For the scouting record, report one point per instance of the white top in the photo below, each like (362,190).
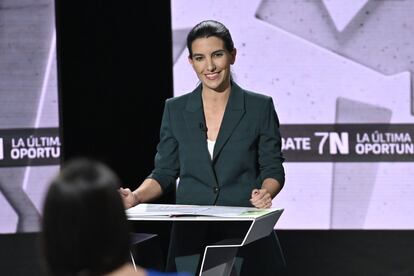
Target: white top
(210,146)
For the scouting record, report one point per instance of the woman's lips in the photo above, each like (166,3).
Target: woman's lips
(212,76)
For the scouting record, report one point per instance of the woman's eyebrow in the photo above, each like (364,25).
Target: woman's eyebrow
(215,52)
(197,55)
(218,51)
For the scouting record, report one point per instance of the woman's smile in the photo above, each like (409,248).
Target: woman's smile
(211,61)
(212,76)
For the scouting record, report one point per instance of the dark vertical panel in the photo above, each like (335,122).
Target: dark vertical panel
(115,66)
(115,72)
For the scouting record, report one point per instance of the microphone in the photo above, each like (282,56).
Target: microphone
(202,127)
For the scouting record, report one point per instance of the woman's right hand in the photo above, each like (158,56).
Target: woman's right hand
(128,197)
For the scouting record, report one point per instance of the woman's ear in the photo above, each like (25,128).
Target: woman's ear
(233,56)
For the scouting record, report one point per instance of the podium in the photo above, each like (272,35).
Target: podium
(218,258)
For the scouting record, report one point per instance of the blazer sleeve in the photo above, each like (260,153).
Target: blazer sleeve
(270,153)
(166,162)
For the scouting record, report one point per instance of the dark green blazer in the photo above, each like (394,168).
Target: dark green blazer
(247,149)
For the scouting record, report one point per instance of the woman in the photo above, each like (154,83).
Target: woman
(222,141)
(85,231)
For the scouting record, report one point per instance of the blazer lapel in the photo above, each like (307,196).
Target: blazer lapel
(195,121)
(194,118)
(232,116)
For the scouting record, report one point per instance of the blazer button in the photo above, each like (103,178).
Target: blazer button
(216,190)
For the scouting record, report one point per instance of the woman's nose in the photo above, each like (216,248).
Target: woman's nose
(210,65)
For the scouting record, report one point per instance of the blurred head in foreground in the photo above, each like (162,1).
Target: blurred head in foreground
(85,231)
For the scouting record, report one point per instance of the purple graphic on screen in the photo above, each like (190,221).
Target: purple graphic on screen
(323,62)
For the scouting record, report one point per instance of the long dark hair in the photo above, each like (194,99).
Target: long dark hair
(207,29)
(85,231)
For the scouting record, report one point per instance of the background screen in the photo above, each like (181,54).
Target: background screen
(29,134)
(340,74)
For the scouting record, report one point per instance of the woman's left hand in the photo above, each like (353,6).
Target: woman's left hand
(261,198)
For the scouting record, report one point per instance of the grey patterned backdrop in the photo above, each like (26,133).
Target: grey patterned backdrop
(28,101)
